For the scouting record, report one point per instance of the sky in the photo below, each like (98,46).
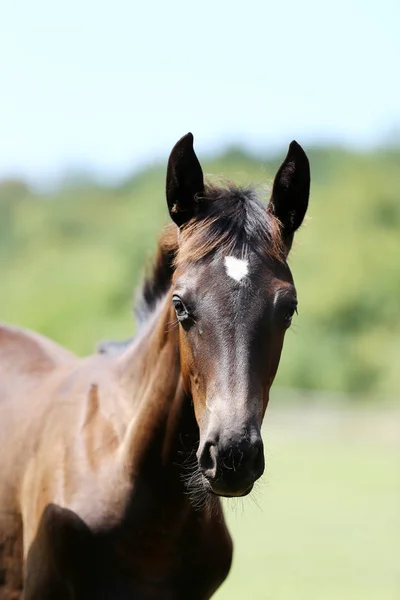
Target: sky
(111,86)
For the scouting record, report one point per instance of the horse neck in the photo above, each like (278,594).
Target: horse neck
(151,375)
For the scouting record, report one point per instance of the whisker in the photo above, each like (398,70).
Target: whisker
(254,496)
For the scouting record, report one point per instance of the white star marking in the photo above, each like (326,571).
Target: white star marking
(236,268)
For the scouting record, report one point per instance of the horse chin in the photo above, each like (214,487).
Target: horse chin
(230,493)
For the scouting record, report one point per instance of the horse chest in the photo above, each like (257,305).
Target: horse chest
(165,566)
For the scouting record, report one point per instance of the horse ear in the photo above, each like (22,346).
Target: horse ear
(184,181)
(290,191)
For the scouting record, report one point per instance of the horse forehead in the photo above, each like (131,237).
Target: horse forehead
(231,274)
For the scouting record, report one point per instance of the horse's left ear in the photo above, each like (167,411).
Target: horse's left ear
(290,191)
(184,181)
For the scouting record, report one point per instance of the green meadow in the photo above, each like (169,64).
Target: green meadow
(325,520)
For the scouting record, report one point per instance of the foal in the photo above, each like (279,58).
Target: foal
(112,466)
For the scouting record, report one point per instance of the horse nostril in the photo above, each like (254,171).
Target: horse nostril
(208,460)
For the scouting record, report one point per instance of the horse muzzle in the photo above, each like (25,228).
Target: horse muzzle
(231,468)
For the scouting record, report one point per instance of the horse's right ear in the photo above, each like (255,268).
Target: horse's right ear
(184,181)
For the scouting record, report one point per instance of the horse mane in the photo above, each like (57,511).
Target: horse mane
(158,280)
(229,219)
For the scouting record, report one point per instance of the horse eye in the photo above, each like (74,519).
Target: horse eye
(289,315)
(180,308)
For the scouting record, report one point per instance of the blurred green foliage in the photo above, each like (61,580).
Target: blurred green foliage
(70,260)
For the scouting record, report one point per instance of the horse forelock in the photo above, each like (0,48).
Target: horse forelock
(231,220)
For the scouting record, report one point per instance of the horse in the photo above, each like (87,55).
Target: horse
(113,465)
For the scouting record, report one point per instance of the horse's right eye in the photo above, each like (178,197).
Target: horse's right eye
(180,308)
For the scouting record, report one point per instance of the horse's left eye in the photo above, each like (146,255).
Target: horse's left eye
(289,315)
(180,308)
